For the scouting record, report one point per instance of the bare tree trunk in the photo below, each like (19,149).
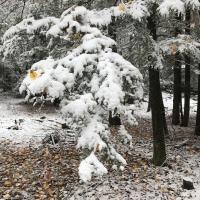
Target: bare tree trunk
(164,118)
(197,127)
(187,93)
(159,152)
(187,75)
(149,103)
(156,101)
(177,93)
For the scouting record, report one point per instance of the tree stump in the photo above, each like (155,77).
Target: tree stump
(187,184)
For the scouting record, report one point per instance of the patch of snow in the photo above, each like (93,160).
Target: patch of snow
(91,166)
(30,130)
(187,179)
(141,111)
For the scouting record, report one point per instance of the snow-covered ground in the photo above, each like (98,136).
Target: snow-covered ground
(32,123)
(168,103)
(35,122)
(140,180)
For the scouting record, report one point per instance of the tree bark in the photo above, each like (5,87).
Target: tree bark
(187,93)
(197,127)
(164,118)
(149,104)
(159,153)
(177,93)
(156,101)
(153,31)
(187,74)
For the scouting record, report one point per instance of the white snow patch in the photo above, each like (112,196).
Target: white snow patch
(31,130)
(91,166)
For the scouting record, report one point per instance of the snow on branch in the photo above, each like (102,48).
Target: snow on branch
(91,166)
(171,5)
(195,4)
(30,25)
(137,9)
(183,44)
(166,6)
(92,80)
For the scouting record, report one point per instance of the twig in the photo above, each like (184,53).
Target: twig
(52,138)
(182,143)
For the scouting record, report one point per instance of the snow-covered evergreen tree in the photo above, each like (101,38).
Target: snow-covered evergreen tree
(91,79)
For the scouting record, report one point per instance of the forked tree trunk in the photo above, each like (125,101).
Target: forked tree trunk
(159,153)
(187,75)
(197,127)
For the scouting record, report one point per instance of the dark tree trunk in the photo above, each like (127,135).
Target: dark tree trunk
(153,31)
(177,104)
(159,153)
(187,93)
(156,101)
(149,104)
(187,75)
(177,100)
(197,127)
(164,118)
(117,2)
(114,120)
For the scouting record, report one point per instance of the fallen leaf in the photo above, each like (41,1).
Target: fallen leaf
(7,184)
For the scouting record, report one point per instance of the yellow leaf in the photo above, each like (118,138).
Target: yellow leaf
(130,1)
(46,185)
(173,48)
(122,7)
(7,183)
(33,74)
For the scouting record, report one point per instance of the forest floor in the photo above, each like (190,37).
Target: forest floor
(33,168)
